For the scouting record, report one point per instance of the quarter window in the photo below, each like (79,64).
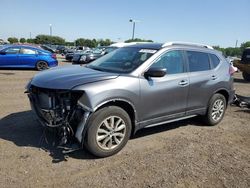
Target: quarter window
(215,60)
(198,61)
(172,61)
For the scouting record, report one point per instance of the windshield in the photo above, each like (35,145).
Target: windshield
(123,60)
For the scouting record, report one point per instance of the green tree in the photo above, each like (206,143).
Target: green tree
(105,42)
(85,42)
(69,43)
(22,40)
(12,40)
(245,45)
(47,39)
(30,41)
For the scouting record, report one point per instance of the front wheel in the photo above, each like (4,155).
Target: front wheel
(42,65)
(108,131)
(216,109)
(246,76)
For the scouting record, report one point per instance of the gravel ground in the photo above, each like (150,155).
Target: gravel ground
(182,154)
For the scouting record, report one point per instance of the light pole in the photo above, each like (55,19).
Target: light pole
(236,43)
(133,31)
(50,29)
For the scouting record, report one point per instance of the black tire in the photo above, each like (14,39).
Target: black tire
(96,121)
(210,118)
(42,65)
(246,76)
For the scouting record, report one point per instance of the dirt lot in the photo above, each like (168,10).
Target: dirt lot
(182,154)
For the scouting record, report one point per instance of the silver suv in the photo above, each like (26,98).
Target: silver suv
(141,85)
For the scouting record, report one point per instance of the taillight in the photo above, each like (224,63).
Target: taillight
(232,70)
(53,56)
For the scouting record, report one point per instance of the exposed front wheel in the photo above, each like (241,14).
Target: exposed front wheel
(216,109)
(42,65)
(108,131)
(246,76)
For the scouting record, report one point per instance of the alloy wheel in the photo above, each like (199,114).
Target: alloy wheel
(111,132)
(218,109)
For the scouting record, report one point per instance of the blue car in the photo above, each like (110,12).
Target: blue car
(21,56)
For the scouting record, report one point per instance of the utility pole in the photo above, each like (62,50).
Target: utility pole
(50,29)
(236,43)
(133,31)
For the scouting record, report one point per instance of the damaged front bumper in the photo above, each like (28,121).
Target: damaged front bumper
(61,110)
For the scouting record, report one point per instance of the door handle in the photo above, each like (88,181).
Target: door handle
(183,83)
(214,77)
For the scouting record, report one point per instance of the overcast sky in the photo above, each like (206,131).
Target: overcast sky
(214,22)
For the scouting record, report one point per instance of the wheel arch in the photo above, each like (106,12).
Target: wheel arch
(127,106)
(223,92)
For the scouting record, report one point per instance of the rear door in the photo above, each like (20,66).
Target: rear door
(201,79)
(28,57)
(165,98)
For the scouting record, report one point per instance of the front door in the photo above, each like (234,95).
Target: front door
(10,57)
(165,98)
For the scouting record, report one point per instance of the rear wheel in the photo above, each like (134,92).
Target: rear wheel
(108,131)
(216,109)
(42,65)
(246,76)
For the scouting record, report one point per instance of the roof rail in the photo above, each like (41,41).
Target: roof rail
(187,44)
(123,44)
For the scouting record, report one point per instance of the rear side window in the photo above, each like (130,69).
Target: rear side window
(198,61)
(215,60)
(27,51)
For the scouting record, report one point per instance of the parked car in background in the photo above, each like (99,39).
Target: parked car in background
(79,50)
(88,56)
(103,103)
(21,56)
(60,49)
(45,47)
(244,64)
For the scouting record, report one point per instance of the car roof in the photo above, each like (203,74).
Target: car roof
(28,46)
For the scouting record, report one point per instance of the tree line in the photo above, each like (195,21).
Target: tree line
(92,43)
(234,52)
(56,40)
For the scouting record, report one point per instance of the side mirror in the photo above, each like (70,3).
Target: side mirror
(155,72)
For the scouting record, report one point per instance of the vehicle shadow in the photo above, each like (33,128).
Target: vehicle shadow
(196,121)
(7,73)
(238,80)
(24,130)
(16,69)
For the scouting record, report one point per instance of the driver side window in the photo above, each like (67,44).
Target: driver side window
(12,50)
(172,61)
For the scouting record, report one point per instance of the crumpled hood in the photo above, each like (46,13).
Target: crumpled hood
(67,77)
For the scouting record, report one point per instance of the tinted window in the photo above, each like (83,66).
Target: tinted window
(172,61)
(198,61)
(27,51)
(215,60)
(12,51)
